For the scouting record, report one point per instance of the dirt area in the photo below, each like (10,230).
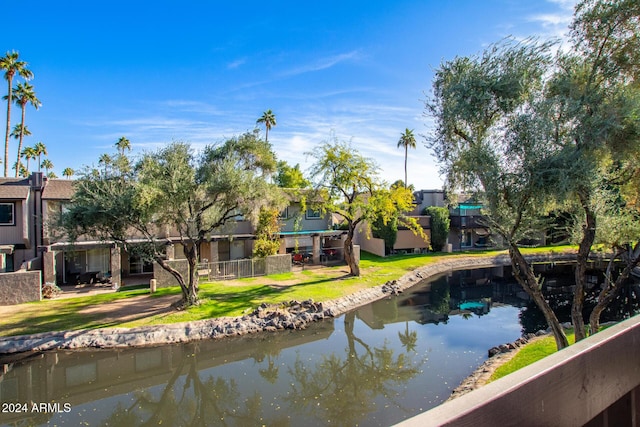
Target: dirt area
(129,309)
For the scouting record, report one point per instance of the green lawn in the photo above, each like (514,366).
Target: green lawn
(529,354)
(229,298)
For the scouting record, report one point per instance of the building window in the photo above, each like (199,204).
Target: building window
(466,240)
(7,214)
(284,214)
(312,214)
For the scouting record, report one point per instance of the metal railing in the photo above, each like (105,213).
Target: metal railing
(236,269)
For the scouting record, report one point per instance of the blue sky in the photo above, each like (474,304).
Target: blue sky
(202,71)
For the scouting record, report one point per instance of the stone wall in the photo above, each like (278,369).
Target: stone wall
(164,278)
(276,264)
(19,287)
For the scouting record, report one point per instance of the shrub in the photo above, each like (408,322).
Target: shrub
(50,290)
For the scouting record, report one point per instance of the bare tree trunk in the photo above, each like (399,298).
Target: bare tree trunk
(189,292)
(354,265)
(191,297)
(523,273)
(588,237)
(611,288)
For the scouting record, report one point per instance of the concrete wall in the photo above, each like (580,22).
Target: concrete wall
(407,240)
(276,264)
(165,279)
(19,287)
(372,245)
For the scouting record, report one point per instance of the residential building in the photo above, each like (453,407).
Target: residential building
(28,241)
(307,233)
(467,228)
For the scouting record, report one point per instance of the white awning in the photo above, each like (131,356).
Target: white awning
(6,249)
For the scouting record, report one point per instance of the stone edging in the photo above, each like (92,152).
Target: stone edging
(292,315)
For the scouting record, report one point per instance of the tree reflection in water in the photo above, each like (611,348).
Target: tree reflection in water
(189,400)
(343,390)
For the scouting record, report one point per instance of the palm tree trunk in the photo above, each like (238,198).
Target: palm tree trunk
(24,107)
(6,138)
(405,165)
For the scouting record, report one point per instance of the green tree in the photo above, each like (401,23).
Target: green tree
(618,229)
(267,233)
(290,177)
(40,150)
(47,164)
(488,139)
(440,223)
(386,231)
(18,133)
(105,161)
(23,172)
(29,153)
(123,144)
(12,66)
(407,140)
(268,119)
(23,95)
(596,102)
(348,185)
(68,173)
(193,195)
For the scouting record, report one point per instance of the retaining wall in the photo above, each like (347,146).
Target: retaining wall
(21,286)
(276,264)
(165,279)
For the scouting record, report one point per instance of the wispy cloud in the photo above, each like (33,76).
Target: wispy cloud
(237,63)
(555,24)
(323,63)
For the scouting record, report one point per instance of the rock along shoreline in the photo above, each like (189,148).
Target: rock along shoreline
(291,315)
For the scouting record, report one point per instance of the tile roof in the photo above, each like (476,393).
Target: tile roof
(14,188)
(58,189)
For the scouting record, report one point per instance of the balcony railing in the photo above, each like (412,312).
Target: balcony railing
(475,221)
(595,382)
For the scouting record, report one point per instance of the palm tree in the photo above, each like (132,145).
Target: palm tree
(40,149)
(123,144)
(105,160)
(52,174)
(22,171)
(68,173)
(15,133)
(29,153)
(269,120)
(24,94)
(47,164)
(407,140)
(11,66)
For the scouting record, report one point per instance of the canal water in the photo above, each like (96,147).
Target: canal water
(374,366)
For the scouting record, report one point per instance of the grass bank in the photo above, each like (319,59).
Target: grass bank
(529,354)
(227,298)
